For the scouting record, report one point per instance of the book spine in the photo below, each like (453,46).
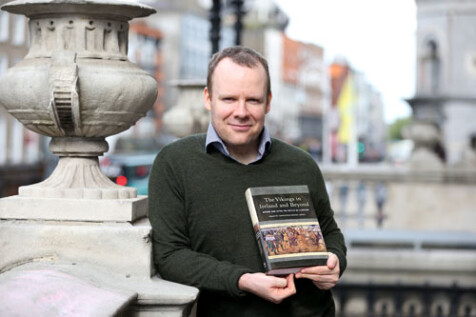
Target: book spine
(257,229)
(262,250)
(251,208)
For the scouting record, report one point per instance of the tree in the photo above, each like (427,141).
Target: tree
(395,130)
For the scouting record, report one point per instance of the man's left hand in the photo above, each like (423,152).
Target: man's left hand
(324,276)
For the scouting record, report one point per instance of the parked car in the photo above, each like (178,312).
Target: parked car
(129,170)
(131,161)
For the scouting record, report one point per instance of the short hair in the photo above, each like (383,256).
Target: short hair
(240,55)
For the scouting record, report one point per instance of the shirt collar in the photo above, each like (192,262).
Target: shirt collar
(214,140)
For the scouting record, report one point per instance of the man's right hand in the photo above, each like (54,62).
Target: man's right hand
(271,288)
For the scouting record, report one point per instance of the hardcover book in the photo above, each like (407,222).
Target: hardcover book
(287,231)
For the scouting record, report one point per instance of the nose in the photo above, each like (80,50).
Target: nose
(241,109)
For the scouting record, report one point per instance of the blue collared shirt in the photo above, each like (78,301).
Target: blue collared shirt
(214,140)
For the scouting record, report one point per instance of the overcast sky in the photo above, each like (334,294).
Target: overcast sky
(377,37)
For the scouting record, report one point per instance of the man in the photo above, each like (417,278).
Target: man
(202,232)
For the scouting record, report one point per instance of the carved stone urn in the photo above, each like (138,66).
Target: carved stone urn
(77,86)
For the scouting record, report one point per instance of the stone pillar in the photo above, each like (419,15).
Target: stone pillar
(425,137)
(189,116)
(425,133)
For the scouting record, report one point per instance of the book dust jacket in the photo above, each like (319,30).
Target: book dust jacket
(287,231)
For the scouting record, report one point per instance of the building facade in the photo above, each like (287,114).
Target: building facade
(354,122)
(185,44)
(145,51)
(446,73)
(305,75)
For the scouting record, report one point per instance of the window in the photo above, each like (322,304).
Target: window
(3,26)
(430,63)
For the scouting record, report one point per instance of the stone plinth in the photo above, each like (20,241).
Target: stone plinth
(113,254)
(95,210)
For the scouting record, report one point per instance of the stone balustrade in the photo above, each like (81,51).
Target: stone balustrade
(417,257)
(440,199)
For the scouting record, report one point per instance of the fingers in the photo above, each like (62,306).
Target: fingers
(320,270)
(322,279)
(331,267)
(278,294)
(290,283)
(332,261)
(280,282)
(290,279)
(271,288)
(325,276)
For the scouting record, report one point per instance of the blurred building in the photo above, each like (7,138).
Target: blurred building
(305,80)
(185,43)
(446,73)
(371,129)
(355,121)
(145,50)
(20,149)
(264,32)
(298,75)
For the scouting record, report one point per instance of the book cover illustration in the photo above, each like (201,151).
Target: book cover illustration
(287,230)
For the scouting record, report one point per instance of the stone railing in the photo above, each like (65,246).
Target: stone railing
(440,199)
(374,300)
(416,254)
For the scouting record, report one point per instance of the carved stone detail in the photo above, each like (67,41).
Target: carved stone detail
(79,89)
(63,82)
(79,178)
(88,37)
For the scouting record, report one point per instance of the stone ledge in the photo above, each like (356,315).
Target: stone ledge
(120,247)
(152,296)
(48,291)
(391,266)
(399,174)
(62,209)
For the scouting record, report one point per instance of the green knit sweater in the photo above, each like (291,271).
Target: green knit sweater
(202,232)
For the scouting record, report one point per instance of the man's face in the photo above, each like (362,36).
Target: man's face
(238,105)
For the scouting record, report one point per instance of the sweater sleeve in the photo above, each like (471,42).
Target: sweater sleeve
(333,237)
(173,256)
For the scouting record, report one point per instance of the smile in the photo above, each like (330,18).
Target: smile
(241,127)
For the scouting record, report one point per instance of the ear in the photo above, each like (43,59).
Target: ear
(268,103)
(207,102)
